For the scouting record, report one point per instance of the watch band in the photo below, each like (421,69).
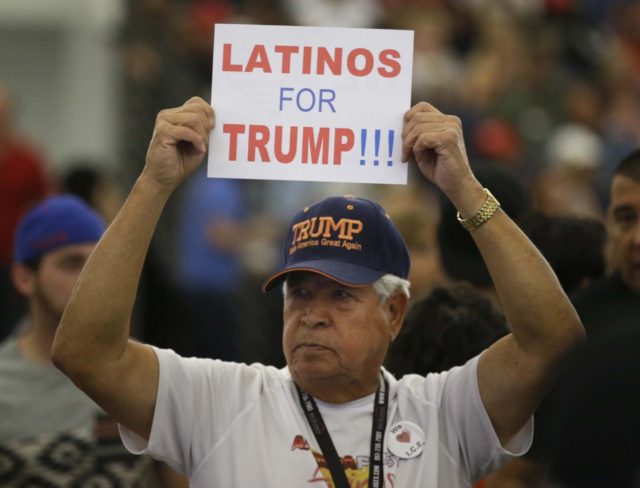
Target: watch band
(489,207)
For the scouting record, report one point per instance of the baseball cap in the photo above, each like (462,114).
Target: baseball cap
(347,239)
(58,221)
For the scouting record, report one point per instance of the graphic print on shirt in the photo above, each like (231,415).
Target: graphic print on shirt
(355,467)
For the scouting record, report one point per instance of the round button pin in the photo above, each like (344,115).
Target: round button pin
(405,439)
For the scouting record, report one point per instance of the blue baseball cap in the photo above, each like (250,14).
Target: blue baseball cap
(56,222)
(347,239)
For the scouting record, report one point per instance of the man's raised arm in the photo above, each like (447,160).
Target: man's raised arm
(516,372)
(92,343)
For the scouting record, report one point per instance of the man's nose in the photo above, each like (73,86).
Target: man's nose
(317,313)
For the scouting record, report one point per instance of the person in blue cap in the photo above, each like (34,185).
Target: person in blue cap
(333,416)
(51,433)
(52,243)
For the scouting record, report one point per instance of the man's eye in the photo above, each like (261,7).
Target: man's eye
(342,294)
(298,292)
(72,263)
(625,219)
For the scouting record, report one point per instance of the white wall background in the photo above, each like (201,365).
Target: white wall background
(60,59)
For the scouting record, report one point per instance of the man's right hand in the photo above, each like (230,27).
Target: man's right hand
(179,143)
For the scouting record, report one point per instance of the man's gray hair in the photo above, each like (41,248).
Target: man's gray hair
(385,287)
(389,285)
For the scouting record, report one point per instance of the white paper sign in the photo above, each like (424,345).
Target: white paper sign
(309,103)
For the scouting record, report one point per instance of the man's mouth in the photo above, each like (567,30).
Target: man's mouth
(311,346)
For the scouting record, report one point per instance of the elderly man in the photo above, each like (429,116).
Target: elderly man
(333,415)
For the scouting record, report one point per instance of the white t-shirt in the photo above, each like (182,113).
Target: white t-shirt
(233,425)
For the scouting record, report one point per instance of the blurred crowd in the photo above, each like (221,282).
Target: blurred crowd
(547,88)
(548,92)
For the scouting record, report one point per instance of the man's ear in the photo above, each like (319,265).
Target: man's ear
(396,307)
(23,279)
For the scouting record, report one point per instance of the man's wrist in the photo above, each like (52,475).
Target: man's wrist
(151,187)
(468,199)
(484,213)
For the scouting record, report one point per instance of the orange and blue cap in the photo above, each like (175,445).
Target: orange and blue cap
(347,239)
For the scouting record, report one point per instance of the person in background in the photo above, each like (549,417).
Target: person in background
(24,181)
(461,259)
(446,328)
(567,183)
(456,321)
(209,272)
(574,247)
(610,309)
(52,434)
(601,381)
(97,187)
(613,302)
(597,438)
(414,209)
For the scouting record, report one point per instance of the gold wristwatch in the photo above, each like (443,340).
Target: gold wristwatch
(489,207)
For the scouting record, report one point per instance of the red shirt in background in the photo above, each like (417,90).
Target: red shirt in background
(23,182)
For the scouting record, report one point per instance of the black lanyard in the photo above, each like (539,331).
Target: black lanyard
(314,417)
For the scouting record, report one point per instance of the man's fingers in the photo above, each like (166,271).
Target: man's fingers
(423,117)
(409,139)
(417,129)
(420,107)
(194,121)
(196,100)
(436,130)
(196,106)
(431,118)
(430,122)
(171,134)
(428,143)
(205,107)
